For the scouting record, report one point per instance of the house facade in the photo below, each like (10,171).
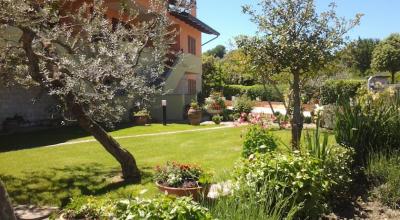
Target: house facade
(183,80)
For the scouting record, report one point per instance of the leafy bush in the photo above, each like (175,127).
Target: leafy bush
(155,209)
(310,181)
(258,140)
(290,174)
(384,171)
(334,91)
(243,104)
(217,119)
(244,204)
(181,175)
(160,209)
(268,94)
(308,120)
(88,208)
(370,123)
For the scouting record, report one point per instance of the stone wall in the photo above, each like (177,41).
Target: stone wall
(33,105)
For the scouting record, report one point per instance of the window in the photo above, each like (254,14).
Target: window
(191,45)
(192,87)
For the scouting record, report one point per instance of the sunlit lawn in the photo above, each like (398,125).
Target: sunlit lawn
(51,175)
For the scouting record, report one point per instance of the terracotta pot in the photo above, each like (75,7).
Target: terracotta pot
(194,116)
(196,193)
(214,111)
(140,120)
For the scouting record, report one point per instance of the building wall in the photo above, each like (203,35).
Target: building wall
(34,106)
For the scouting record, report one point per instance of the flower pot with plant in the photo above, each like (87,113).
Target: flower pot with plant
(141,117)
(215,104)
(183,180)
(194,114)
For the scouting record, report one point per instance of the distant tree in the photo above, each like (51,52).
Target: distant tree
(386,56)
(93,65)
(236,68)
(212,75)
(298,40)
(218,51)
(358,55)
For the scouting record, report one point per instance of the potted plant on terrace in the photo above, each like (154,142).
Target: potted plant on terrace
(194,114)
(214,104)
(183,180)
(141,117)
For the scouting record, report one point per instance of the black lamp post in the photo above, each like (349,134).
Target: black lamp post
(164,109)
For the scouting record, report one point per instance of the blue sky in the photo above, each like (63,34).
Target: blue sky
(381,17)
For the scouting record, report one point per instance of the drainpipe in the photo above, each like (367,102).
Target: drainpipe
(210,40)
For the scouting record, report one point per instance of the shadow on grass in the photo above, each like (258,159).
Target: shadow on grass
(58,185)
(39,138)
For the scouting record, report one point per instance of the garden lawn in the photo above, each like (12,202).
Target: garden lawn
(51,175)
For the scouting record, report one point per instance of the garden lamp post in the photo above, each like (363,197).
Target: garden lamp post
(164,108)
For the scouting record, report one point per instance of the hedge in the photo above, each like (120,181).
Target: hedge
(268,94)
(335,90)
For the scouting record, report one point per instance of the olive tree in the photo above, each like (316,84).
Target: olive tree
(94,65)
(386,55)
(299,41)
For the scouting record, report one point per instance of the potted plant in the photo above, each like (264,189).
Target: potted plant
(141,117)
(215,104)
(194,114)
(183,180)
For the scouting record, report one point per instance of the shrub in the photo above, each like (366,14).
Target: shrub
(181,175)
(243,204)
(258,140)
(308,120)
(310,181)
(334,91)
(217,119)
(243,104)
(268,94)
(383,171)
(160,209)
(156,209)
(370,123)
(291,175)
(90,208)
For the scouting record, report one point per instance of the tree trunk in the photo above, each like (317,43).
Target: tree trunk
(297,121)
(130,171)
(393,77)
(6,209)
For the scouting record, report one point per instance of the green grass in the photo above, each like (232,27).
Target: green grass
(51,175)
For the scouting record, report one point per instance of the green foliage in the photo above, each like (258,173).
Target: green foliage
(243,104)
(370,123)
(194,104)
(386,56)
(334,91)
(358,55)
(88,208)
(244,204)
(179,175)
(157,209)
(302,178)
(254,92)
(384,171)
(217,119)
(308,120)
(258,140)
(218,51)
(142,113)
(212,77)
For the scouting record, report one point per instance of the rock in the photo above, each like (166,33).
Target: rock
(30,212)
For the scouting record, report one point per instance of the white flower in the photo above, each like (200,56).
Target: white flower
(319,108)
